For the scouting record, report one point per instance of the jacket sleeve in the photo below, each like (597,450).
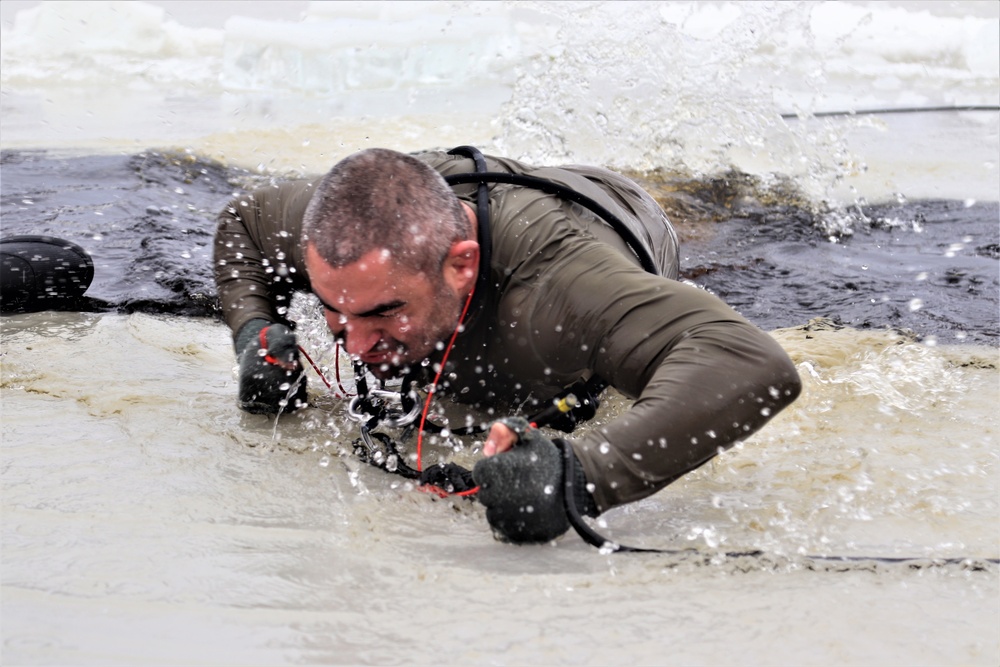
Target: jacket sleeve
(257,259)
(701,375)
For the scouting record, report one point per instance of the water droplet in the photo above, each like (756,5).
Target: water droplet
(915,305)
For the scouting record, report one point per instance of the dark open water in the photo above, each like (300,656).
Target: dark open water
(930,267)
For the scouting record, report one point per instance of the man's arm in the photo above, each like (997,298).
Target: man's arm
(719,385)
(257,268)
(702,376)
(257,258)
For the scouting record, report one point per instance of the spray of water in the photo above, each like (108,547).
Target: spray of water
(650,85)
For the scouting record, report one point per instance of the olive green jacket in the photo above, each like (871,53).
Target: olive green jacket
(568,301)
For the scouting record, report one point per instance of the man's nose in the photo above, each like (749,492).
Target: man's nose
(360,336)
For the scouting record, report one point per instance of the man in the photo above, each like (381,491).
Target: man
(564,276)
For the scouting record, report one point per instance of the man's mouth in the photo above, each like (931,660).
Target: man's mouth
(383,355)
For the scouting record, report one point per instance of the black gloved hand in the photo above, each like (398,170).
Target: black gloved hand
(271,377)
(523,488)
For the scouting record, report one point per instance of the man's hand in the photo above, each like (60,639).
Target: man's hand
(271,377)
(522,487)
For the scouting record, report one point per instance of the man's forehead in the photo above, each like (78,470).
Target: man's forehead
(377,258)
(373,277)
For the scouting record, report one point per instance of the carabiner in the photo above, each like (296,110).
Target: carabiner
(376,405)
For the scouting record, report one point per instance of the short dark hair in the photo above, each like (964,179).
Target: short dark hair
(382,199)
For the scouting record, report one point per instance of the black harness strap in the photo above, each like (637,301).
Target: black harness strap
(645,258)
(483,227)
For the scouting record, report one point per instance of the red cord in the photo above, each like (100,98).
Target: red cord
(437,377)
(441,493)
(337,367)
(315,367)
(427,404)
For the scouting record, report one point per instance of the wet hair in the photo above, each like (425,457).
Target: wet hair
(380,199)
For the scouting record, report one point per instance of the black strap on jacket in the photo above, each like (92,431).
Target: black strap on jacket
(483,287)
(553,188)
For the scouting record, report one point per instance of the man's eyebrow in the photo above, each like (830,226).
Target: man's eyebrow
(377,310)
(382,308)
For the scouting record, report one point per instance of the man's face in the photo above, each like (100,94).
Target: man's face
(386,316)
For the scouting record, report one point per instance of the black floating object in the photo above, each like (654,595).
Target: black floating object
(42,273)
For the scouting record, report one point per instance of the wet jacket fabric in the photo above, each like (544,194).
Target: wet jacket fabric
(568,300)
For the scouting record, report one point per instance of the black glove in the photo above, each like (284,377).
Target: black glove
(523,488)
(271,377)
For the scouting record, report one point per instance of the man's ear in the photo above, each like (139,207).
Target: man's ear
(461,266)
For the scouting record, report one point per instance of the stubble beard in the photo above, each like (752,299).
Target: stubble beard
(446,310)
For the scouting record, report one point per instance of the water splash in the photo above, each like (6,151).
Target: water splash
(907,376)
(647,85)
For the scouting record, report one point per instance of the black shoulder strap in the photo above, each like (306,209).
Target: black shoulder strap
(553,188)
(482,220)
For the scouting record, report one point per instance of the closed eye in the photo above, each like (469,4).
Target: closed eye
(382,310)
(387,310)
